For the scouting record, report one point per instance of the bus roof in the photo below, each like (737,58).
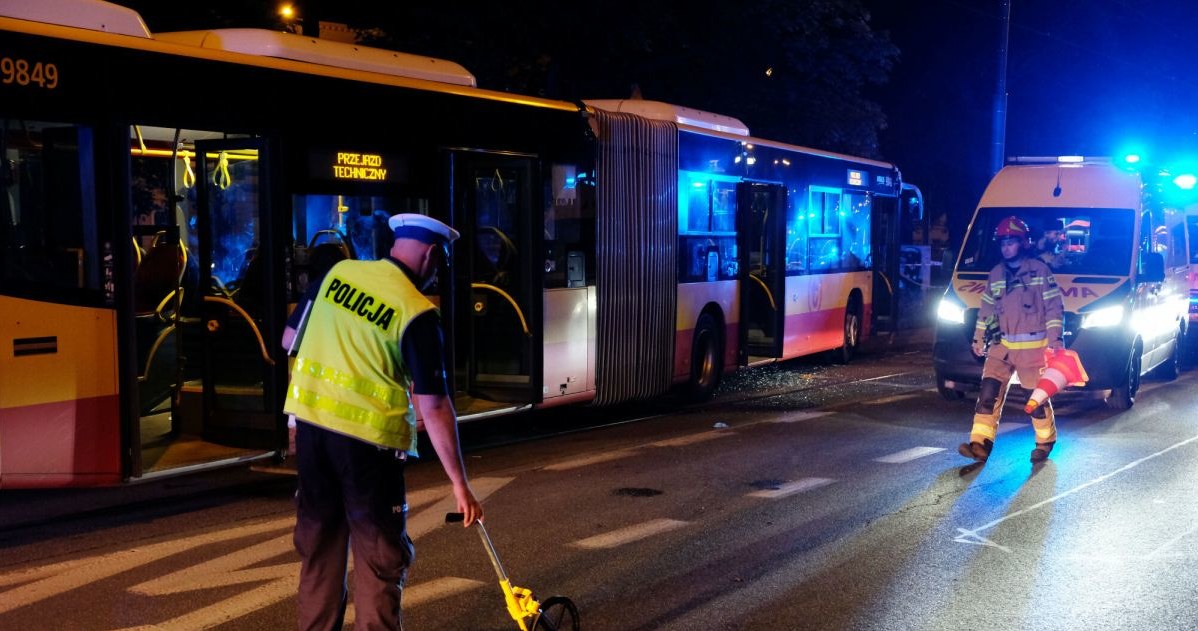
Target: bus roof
(657,110)
(266,43)
(86,14)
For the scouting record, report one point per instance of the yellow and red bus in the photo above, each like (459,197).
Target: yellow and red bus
(165,198)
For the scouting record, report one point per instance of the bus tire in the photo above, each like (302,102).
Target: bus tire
(1123,396)
(851,333)
(707,359)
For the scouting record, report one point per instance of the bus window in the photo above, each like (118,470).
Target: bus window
(707,227)
(329,228)
(855,240)
(1192,225)
(824,225)
(569,228)
(48,227)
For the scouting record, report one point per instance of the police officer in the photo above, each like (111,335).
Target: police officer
(368,336)
(1022,297)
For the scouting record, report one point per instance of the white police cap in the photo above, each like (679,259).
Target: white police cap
(422,228)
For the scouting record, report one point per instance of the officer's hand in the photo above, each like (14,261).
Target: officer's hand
(468,506)
(1056,345)
(978,348)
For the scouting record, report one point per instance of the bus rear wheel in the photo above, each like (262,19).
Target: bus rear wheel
(851,335)
(707,359)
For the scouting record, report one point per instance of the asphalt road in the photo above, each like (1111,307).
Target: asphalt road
(804,497)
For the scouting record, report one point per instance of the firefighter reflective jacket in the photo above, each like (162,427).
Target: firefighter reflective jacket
(1026,303)
(349,374)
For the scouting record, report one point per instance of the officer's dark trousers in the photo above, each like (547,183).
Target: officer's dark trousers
(351,494)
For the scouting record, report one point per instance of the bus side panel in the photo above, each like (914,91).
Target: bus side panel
(59,410)
(569,355)
(815,306)
(692,297)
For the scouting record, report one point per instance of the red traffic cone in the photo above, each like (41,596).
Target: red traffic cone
(1064,369)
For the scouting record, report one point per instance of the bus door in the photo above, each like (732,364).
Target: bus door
(497,285)
(761,230)
(230,395)
(885,250)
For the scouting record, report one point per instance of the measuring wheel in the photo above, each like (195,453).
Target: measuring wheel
(558,613)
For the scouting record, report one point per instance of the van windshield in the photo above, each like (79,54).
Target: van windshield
(1071,240)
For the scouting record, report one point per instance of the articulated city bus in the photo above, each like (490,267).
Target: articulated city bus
(167,198)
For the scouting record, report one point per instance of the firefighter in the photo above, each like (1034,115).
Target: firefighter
(1023,301)
(369,344)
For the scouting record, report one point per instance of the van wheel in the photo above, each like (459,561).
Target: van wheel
(947,393)
(1124,396)
(707,359)
(851,335)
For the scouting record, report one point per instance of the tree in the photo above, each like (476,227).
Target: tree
(792,70)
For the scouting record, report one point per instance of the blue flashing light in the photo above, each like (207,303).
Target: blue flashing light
(1132,158)
(1185,181)
(1071,159)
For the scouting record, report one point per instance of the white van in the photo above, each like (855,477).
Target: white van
(1122,265)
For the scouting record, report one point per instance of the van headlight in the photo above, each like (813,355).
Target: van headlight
(950,311)
(1109,316)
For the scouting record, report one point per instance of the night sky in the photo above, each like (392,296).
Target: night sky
(1089,77)
(1094,77)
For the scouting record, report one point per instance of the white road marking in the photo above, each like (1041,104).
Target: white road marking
(1170,543)
(433,517)
(275,582)
(892,398)
(683,441)
(605,456)
(58,578)
(791,488)
(805,415)
(629,534)
(907,455)
(971,535)
(436,589)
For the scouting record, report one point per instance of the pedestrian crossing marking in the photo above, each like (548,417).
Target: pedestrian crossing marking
(791,488)
(606,456)
(907,455)
(629,534)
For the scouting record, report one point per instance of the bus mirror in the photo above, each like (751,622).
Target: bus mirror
(1153,268)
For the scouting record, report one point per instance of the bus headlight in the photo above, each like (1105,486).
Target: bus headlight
(1110,316)
(950,311)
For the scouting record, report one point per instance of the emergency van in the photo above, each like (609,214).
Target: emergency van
(1121,259)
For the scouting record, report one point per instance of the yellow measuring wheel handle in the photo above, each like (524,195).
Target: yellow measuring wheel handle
(521,606)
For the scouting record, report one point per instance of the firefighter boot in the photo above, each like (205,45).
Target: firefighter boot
(977,451)
(1040,453)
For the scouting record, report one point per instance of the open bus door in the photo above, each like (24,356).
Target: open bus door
(884,253)
(497,287)
(232,379)
(761,239)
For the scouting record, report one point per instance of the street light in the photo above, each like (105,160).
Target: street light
(291,21)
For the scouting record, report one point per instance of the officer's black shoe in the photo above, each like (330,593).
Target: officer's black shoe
(1040,453)
(977,451)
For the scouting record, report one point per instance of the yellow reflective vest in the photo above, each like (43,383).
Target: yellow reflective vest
(349,374)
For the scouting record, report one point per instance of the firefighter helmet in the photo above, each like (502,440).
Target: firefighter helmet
(1012,228)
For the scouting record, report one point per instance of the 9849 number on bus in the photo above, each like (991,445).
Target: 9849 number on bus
(23,73)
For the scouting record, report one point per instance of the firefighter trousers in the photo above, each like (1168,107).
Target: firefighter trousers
(351,496)
(1001,364)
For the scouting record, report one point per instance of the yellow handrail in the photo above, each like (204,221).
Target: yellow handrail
(768,294)
(253,327)
(506,296)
